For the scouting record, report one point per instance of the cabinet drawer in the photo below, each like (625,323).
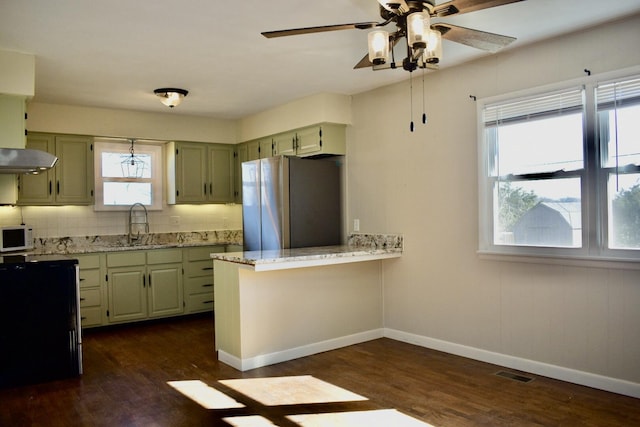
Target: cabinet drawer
(88,261)
(90,316)
(89,278)
(198,285)
(197,254)
(89,297)
(200,302)
(164,256)
(123,259)
(200,268)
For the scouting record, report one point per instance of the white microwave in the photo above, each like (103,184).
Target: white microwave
(16,238)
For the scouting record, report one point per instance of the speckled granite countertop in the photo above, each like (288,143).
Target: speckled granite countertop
(114,243)
(361,247)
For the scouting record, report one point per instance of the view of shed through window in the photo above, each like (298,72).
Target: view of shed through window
(563,171)
(536,166)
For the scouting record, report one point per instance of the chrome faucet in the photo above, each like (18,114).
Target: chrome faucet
(132,222)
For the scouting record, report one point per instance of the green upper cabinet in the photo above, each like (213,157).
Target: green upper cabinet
(70,181)
(259,149)
(325,138)
(200,173)
(284,144)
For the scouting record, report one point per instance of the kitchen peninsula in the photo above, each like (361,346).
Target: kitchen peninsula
(273,306)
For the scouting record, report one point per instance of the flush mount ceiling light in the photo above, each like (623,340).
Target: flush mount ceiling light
(171,96)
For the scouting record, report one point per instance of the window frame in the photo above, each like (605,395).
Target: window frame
(154,148)
(593,175)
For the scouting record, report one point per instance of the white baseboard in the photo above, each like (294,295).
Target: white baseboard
(297,352)
(539,368)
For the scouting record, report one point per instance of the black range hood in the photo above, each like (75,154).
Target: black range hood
(25,160)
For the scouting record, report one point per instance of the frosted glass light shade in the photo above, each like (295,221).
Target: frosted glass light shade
(433,52)
(171,97)
(418,24)
(378,47)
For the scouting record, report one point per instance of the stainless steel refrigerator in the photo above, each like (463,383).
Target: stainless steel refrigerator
(290,202)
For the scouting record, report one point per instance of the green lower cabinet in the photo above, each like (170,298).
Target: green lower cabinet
(93,298)
(199,278)
(136,285)
(144,284)
(127,294)
(165,290)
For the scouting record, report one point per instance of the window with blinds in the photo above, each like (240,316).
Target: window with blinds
(551,184)
(618,107)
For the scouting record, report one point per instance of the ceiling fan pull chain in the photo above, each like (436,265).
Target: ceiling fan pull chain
(411,99)
(424,109)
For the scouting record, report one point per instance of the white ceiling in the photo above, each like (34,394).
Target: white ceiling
(114,53)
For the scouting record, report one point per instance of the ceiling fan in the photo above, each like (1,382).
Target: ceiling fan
(412,21)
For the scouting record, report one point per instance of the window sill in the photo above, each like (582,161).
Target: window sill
(564,260)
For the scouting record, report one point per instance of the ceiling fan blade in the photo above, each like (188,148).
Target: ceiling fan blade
(475,38)
(396,6)
(364,62)
(465,6)
(321,29)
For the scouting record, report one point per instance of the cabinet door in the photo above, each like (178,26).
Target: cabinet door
(165,290)
(221,174)
(309,140)
(242,153)
(37,189)
(266,148)
(191,172)
(252,150)
(74,170)
(127,294)
(284,144)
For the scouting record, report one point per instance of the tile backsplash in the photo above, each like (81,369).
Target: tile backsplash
(62,221)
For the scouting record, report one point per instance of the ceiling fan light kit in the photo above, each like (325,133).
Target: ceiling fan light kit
(418,24)
(413,23)
(378,46)
(171,97)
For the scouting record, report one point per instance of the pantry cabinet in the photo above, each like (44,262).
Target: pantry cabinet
(70,182)
(200,173)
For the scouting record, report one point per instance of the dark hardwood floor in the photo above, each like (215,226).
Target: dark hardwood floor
(127,370)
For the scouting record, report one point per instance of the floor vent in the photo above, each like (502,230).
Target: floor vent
(515,377)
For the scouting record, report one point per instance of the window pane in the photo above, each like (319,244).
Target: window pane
(624,211)
(538,213)
(127,193)
(620,135)
(118,165)
(545,144)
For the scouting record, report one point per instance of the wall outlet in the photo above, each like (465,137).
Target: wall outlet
(356,225)
(174,220)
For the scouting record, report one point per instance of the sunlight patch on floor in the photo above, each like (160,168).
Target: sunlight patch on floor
(287,391)
(297,390)
(249,421)
(208,397)
(377,418)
